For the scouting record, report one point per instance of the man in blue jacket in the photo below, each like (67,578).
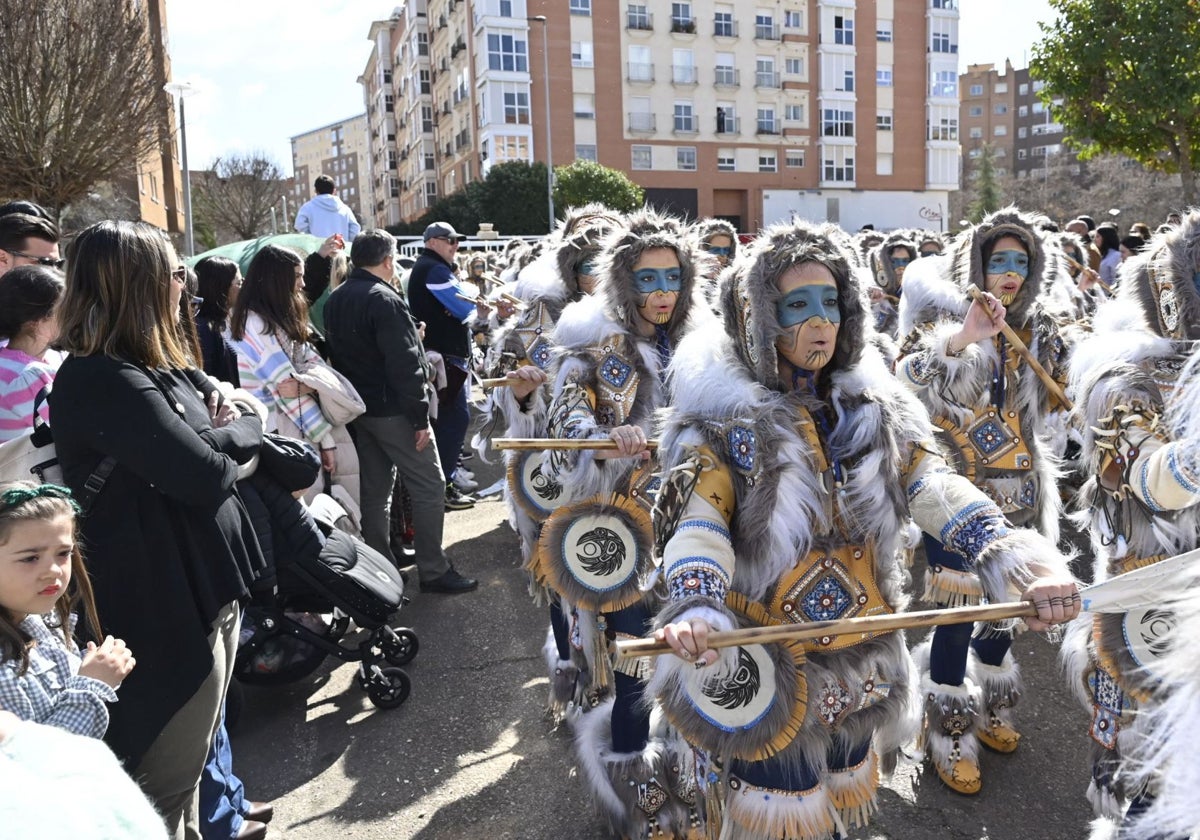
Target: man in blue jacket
(434,295)
(374,343)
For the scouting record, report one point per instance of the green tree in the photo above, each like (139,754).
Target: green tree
(586,181)
(988,195)
(513,198)
(1128,80)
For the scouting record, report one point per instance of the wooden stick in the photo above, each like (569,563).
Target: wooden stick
(475,300)
(633,648)
(1082,267)
(513,299)
(562,444)
(1019,346)
(499,382)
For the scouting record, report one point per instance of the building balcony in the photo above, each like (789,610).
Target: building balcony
(641,122)
(683,26)
(725,29)
(637,72)
(728,126)
(766,32)
(764,127)
(685,125)
(639,22)
(766,79)
(728,77)
(683,74)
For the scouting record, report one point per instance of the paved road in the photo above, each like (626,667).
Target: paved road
(470,756)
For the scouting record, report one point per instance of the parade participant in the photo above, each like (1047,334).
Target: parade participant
(991,409)
(890,260)
(793,461)
(1141,424)
(523,351)
(612,353)
(719,238)
(930,243)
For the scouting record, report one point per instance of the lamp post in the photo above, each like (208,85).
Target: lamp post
(549,148)
(182,90)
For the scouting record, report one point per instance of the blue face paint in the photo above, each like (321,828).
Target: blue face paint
(1196,281)
(588,268)
(719,250)
(647,281)
(899,262)
(1003,262)
(806,302)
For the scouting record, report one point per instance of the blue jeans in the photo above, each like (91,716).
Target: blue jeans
(450,428)
(223,805)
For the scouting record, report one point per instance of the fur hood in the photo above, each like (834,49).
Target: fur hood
(924,237)
(967,256)
(624,246)
(885,274)
(749,294)
(706,229)
(578,239)
(1159,280)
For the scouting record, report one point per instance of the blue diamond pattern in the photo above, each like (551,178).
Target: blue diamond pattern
(652,488)
(826,601)
(742,448)
(1028,493)
(614,371)
(989,437)
(539,354)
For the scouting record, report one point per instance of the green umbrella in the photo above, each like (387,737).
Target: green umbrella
(242,252)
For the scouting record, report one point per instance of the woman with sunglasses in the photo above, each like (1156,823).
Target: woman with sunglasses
(147,445)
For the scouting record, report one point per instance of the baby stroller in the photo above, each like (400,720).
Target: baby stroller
(318,579)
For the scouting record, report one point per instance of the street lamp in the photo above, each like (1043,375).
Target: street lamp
(182,90)
(549,149)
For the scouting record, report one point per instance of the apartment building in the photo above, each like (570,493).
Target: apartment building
(825,109)
(339,150)
(1038,138)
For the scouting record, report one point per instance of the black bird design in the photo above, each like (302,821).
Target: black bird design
(742,686)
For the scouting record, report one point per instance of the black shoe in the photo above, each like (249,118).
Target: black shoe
(457,500)
(451,583)
(466,455)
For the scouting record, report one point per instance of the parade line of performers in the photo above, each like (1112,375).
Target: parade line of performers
(803,428)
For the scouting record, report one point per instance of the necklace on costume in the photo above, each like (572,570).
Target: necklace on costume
(820,416)
(1000,374)
(662,343)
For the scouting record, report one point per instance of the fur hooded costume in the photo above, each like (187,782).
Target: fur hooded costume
(886,309)
(755,507)
(1136,383)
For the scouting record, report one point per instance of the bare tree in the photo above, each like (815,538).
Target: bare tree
(234,197)
(79,101)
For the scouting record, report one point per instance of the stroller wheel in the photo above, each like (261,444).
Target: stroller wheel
(399,645)
(390,691)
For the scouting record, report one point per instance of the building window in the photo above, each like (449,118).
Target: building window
(683,67)
(511,147)
(726,162)
(507,52)
(681,18)
(975,111)
(637,17)
(1039,107)
(944,128)
(976,133)
(685,117)
(516,107)
(422,43)
(767,161)
(837,123)
(793,19)
(793,113)
(685,158)
(586,153)
(1000,130)
(940,43)
(839,164)
(977,90)
(1020,154)
(883,31)
(723,25)
(764,73)
(1022,132)
(640,157)
(427,119)
(793,158)
(726,119)
(945,4)
(581,7)
(1023,111)
(1001,109)
(423,77)
(506,8)
(764,28)
(883,120)
(766,121)
(581,54)
(793,66)
(883,163)
(1023,90)
(843,30)
(883,76)
(1001,87)
(944,83)
(585,106)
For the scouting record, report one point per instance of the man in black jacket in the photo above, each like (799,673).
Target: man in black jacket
(374,343)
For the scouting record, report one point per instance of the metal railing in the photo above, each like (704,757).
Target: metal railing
(641,121)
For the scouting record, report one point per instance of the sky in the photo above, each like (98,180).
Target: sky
(267,70)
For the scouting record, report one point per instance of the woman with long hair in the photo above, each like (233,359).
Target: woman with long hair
(150,449)
(219,280)
(1108,242)
(28,296)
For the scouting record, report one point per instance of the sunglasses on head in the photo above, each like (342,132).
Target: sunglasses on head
(179,275)
(49,262)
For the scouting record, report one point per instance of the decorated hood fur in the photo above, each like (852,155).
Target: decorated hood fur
(885,274)
(579,236)
(924,237)
(969,247)
(1160,280)
(706,229)
(750,291)
(623,247)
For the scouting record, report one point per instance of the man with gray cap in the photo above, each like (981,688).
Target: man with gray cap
(434,295)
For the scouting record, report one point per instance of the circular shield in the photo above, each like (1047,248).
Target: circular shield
(534,491)
(1148,633)
(740,699)
(595,552)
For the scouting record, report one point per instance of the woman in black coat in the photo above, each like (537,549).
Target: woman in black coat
(218,281)
(170,545)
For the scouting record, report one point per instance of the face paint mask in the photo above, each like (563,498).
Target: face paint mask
(719,250)
(930,253)
(1004,262)
(900,262)
(588,267)
(806,302)
(647,281)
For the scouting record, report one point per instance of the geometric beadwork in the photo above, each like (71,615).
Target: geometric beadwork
(615,371)
(825,601)
(742,448)
(834,702)
(539,353)
(989,437)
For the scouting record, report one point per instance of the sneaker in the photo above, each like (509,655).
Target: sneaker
(451,583)
(465,483)
(463,471)
(457,500)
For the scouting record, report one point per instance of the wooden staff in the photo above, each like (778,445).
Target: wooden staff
(513,299)
(562,444)
(1019,346)
(1084,268)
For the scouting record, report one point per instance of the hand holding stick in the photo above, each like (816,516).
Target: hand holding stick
(561,444)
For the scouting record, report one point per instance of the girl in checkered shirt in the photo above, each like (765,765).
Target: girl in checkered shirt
(44,676)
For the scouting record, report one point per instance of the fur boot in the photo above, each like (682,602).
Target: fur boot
(948,738)
(1000,686)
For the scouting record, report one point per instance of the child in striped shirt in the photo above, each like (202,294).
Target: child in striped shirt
(28,295)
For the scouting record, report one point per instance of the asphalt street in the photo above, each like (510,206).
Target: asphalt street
(470,755)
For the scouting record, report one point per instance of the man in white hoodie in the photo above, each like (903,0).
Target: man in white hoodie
(325,214)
